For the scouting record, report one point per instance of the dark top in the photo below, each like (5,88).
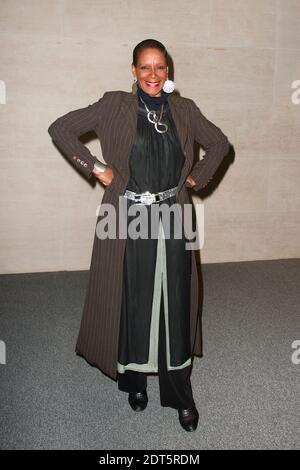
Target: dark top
(156,159)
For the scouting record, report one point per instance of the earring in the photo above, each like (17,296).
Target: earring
(169,86)
(134,86)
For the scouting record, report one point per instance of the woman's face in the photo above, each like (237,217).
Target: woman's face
(151,71)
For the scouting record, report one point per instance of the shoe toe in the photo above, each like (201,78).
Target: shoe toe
(138,401)
(189,418)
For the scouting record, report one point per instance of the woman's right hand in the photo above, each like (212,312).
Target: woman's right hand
(104,177)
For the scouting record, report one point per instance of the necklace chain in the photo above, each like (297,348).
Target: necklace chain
(155,119)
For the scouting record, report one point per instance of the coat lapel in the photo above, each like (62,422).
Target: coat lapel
(180,116)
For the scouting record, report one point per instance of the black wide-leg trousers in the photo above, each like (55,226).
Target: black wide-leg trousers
(175,385)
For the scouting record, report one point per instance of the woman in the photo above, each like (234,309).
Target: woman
(141,310)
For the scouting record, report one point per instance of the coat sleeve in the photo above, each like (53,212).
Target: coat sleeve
(66,129)
(215,144)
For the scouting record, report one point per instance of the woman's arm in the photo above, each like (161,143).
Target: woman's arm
(215,144)
(66,129)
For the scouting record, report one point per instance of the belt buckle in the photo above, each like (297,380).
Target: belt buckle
(147,198)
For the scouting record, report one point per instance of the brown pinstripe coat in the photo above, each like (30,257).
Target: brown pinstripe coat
(114,119)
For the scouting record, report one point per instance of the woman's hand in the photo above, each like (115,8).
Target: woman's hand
(104,177)
(191,181)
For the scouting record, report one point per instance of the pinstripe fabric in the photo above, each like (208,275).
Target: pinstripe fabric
(114,119)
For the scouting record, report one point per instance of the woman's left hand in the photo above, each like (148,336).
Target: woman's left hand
(190,180)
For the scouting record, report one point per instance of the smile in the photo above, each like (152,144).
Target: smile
(152,84)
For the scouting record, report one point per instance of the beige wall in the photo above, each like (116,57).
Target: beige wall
(236,59)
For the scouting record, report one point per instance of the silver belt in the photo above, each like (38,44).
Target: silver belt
(148,198)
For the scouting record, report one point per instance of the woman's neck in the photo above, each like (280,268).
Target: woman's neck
(154,101)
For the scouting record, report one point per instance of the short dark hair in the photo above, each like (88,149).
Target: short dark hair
(148,43)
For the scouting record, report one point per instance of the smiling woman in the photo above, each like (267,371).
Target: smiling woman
(141,309)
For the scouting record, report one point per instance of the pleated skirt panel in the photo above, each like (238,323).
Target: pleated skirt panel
(154,267)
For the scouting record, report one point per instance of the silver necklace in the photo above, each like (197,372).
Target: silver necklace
(154,119)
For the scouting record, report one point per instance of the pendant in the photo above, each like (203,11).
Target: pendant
(149,116)
(161,124)
(154,119)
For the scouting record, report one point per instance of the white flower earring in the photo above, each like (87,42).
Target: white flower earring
(169,86)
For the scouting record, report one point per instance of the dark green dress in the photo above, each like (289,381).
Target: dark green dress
(155,266)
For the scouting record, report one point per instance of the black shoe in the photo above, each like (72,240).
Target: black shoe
(138,401)
(189,418)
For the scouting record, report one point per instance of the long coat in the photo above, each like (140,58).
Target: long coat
(114,119)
